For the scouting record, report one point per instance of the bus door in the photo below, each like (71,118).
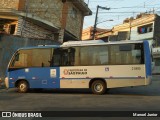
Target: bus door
(48,73)
(46,77)
(42,77)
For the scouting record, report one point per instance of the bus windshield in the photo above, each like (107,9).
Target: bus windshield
(31,58)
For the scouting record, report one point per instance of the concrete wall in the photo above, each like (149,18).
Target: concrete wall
(136,36)
(74,23)
(9,44)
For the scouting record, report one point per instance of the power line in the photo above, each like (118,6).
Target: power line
(128,11)
(120,12)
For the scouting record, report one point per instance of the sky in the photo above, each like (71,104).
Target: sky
(119,10)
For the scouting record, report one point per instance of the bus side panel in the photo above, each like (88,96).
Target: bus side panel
(147,59)
(125,82)
(36,77)
(115,75)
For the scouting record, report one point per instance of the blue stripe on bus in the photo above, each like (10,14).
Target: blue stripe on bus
(147,59)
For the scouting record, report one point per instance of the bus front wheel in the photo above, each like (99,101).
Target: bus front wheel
(23,87)
(98,87)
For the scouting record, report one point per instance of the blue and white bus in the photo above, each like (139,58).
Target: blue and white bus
(82,64)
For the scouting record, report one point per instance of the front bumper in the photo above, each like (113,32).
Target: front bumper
(6,82)
(149,80)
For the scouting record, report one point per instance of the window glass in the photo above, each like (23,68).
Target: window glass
(77,56)
(126,54)
(21,59)
(65,56)
(85,56)
(94,55)
(56,58)
(145,29)
(32,58)
(73,13)
(41,57)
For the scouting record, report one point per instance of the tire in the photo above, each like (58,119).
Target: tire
(98,87)
(23,87)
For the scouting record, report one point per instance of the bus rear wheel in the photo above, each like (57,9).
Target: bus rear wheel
(98,87)
(23,87)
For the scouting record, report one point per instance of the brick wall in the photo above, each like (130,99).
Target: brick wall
(31,30)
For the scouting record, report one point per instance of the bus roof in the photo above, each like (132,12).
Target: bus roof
(98,42)
(83,43)
(40,46)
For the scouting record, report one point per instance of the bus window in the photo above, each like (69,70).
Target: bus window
(94,55)
(41,57)
(71,52)
(84,56)
(56,58)
(126,54)
(19,60)
(68,57)
(77,56)
(99,55)
(127,47)
(65,57)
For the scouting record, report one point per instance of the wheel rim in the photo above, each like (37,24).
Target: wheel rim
(22,87)
(98,87)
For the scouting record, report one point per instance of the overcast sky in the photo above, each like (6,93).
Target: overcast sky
(119,10)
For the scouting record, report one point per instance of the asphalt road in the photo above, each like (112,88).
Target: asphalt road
(143,98)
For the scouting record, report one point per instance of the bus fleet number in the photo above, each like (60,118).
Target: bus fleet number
(136,68)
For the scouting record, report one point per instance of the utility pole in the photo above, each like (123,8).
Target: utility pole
(95,23)
(88,3)
(130,27)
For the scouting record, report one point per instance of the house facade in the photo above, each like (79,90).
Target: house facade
(60,20)
(87,34)
(140,28)
(143,27)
